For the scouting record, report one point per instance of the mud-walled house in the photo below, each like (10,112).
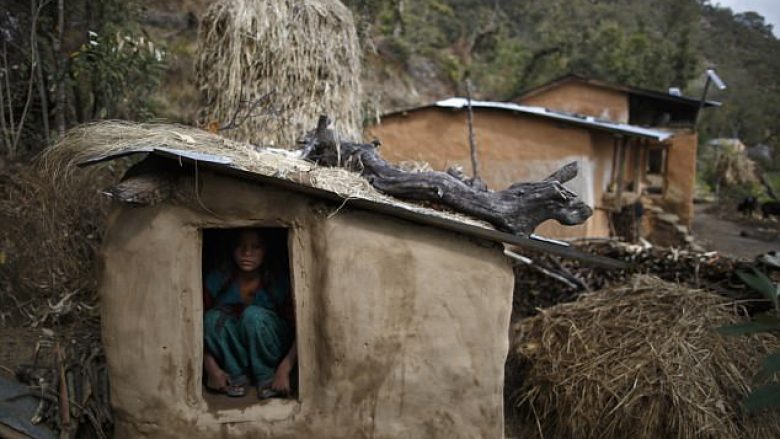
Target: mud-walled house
(631,144)
(401,312)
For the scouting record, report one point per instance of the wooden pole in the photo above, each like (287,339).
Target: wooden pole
(702,102)
(638,148)
(622,144)
(472,140)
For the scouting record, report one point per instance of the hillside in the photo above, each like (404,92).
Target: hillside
(414,52)
(418,50)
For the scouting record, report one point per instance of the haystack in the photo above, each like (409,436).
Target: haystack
(641,360)
(733,167)
(268,68)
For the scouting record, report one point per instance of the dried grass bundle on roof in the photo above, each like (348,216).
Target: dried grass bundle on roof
(273,66)
(103,139)
(641,360)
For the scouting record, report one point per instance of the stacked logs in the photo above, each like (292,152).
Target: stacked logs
(706,270)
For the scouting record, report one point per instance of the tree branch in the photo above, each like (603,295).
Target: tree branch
(518,209)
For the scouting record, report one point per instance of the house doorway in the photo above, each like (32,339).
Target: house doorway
(250,350)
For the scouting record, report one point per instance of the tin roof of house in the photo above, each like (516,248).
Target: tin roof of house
(628,89)
(580,120)
(562,116)
(108,141)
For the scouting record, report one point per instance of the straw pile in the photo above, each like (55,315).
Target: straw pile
(734,167)
(640,360)
(268,68)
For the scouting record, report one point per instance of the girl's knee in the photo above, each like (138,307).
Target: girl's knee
(214,320)
(255,315)
(211,317)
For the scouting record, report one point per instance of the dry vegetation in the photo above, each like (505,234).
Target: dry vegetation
(50,235)
(268,69)
(639,360)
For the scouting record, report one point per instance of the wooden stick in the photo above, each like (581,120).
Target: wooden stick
(472,140)
(549,273)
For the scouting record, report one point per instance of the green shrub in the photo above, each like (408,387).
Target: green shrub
(767,395)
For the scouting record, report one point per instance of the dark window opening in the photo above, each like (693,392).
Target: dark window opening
(249,349)
(655,170)
(649,111)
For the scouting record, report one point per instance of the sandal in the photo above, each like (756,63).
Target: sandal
(236,386)
(235,390)
(265,391)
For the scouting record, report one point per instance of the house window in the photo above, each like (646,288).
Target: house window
(249,343)
(655,169)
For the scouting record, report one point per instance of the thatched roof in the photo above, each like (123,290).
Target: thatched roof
(102,141)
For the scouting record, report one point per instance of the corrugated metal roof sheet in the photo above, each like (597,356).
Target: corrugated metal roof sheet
(575,119)
(629,89)
(416,214)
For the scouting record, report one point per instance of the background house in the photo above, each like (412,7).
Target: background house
(630,143)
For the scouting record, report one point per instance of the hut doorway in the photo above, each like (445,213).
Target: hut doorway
(249,350)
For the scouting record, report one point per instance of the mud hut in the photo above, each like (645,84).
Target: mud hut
(402,311)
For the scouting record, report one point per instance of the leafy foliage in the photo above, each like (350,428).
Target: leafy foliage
(120,73)
(768,395)
(745,52)
(63,66)
(506,47)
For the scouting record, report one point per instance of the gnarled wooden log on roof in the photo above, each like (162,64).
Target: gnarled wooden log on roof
(519,209)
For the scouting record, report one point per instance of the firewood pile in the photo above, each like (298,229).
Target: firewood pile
(65,374)
(549,279)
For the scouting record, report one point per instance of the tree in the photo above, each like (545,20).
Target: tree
(64,63)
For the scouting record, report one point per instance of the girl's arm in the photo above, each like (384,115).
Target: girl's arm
(281,381)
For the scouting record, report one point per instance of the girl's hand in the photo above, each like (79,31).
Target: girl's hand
(216,378)
(281,382)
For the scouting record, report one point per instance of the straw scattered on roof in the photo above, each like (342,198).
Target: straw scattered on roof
(295,59)
(639,361)
(104,139)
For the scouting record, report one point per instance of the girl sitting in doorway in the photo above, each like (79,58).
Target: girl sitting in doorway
(248,322)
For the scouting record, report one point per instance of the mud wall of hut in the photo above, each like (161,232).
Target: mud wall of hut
(402,329)
(681,175)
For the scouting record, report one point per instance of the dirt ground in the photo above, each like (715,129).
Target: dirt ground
(722,229)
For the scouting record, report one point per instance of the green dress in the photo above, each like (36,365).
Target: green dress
(247,341)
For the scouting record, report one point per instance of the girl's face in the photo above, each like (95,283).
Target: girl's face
(249,251)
